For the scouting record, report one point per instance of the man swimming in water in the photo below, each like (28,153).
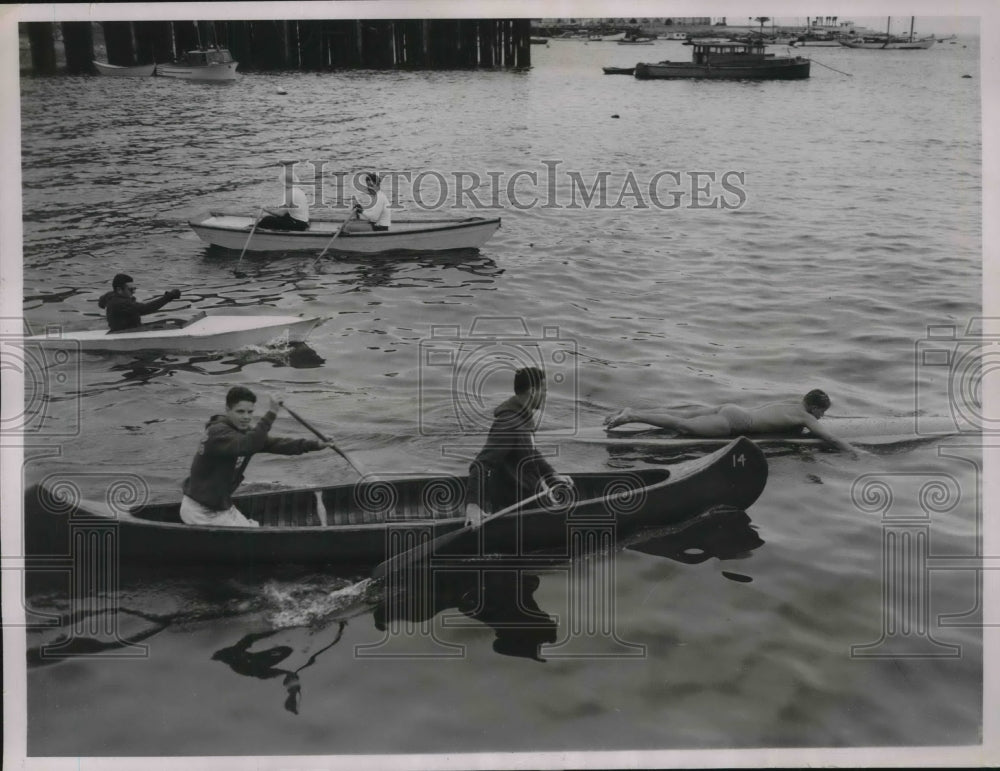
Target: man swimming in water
(733,420)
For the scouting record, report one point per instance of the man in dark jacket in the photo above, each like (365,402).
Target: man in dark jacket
(225,450)
(509,469)
(121,308)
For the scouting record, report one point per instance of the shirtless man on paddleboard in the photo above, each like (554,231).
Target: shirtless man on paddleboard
(733,420)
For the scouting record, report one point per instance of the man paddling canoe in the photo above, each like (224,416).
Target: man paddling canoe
(509,469)
(733,420)
(121,308)
(223,455)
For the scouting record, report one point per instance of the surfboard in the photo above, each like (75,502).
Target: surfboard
(856,430)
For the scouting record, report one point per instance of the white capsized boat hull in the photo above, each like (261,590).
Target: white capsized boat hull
(210,333)
(231,231)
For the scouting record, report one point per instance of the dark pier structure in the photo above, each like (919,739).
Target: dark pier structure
(314,45)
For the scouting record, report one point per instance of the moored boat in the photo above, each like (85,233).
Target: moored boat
(619,70)
(116,71)
(231,231)
(201,333)
(353,523)
(728,61)
(889,44)
(201,64)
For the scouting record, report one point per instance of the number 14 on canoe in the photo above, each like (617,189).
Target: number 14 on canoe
(233,231)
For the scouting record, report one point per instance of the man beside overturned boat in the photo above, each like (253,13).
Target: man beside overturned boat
(121,308)
(733,420)
(223,455)
(509,468)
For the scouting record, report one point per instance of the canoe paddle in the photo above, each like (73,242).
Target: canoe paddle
(426,549)
(236,270)
(333,447)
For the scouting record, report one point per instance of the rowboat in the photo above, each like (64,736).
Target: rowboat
(116,71)
(728,61)
(231,231)
(864,431)
(890,44)
(360,523)
(619,70)
(202,64)
(201,333)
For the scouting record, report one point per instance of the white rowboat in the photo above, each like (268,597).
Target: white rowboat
(116,71)
(202,333)
(230,231)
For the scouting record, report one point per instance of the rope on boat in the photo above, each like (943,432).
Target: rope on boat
(848,74)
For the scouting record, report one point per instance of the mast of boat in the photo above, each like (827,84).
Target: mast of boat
(911,29)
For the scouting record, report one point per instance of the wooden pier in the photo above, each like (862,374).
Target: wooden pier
(269,46)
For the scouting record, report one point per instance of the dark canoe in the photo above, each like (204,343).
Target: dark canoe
(619,70)
(360,524)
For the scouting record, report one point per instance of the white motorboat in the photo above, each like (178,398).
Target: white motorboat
(201,64)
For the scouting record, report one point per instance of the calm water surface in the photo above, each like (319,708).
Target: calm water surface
(860,228)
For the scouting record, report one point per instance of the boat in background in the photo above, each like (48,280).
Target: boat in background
(201,333)
(215,64)
(356,523)
(728,61)
(888,42)
(116,71)
(619,70)
(231,231)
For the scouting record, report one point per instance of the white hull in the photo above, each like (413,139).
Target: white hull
(906,45)
(209,333)
(225,71)
(230,231)
(114,71)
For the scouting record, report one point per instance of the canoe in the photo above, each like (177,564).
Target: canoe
(230,231)
(619,70)
(353,523)
(116,71)
(201,333)
(864,431)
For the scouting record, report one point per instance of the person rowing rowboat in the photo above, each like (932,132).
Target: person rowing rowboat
(378,214)
(121,308)
(223,455)
(733,420)
(294,214)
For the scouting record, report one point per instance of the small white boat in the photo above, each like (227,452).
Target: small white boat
(115,71)
(231,231)
(202,64)
(201,333)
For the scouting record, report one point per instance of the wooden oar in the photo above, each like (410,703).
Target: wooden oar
(236,270)
(424,550)
(333,447)
(335,236)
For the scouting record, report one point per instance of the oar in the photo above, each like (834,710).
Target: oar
(424,550)
(333,447)
(236,270)
(335,235)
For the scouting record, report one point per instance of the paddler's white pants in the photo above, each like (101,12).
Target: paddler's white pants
(193,513)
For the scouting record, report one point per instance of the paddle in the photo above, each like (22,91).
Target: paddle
(333,447)
(424,550)
(236,270)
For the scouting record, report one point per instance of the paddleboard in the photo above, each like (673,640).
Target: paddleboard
(861,431)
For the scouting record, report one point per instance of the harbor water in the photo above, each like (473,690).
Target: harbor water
(804,234)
